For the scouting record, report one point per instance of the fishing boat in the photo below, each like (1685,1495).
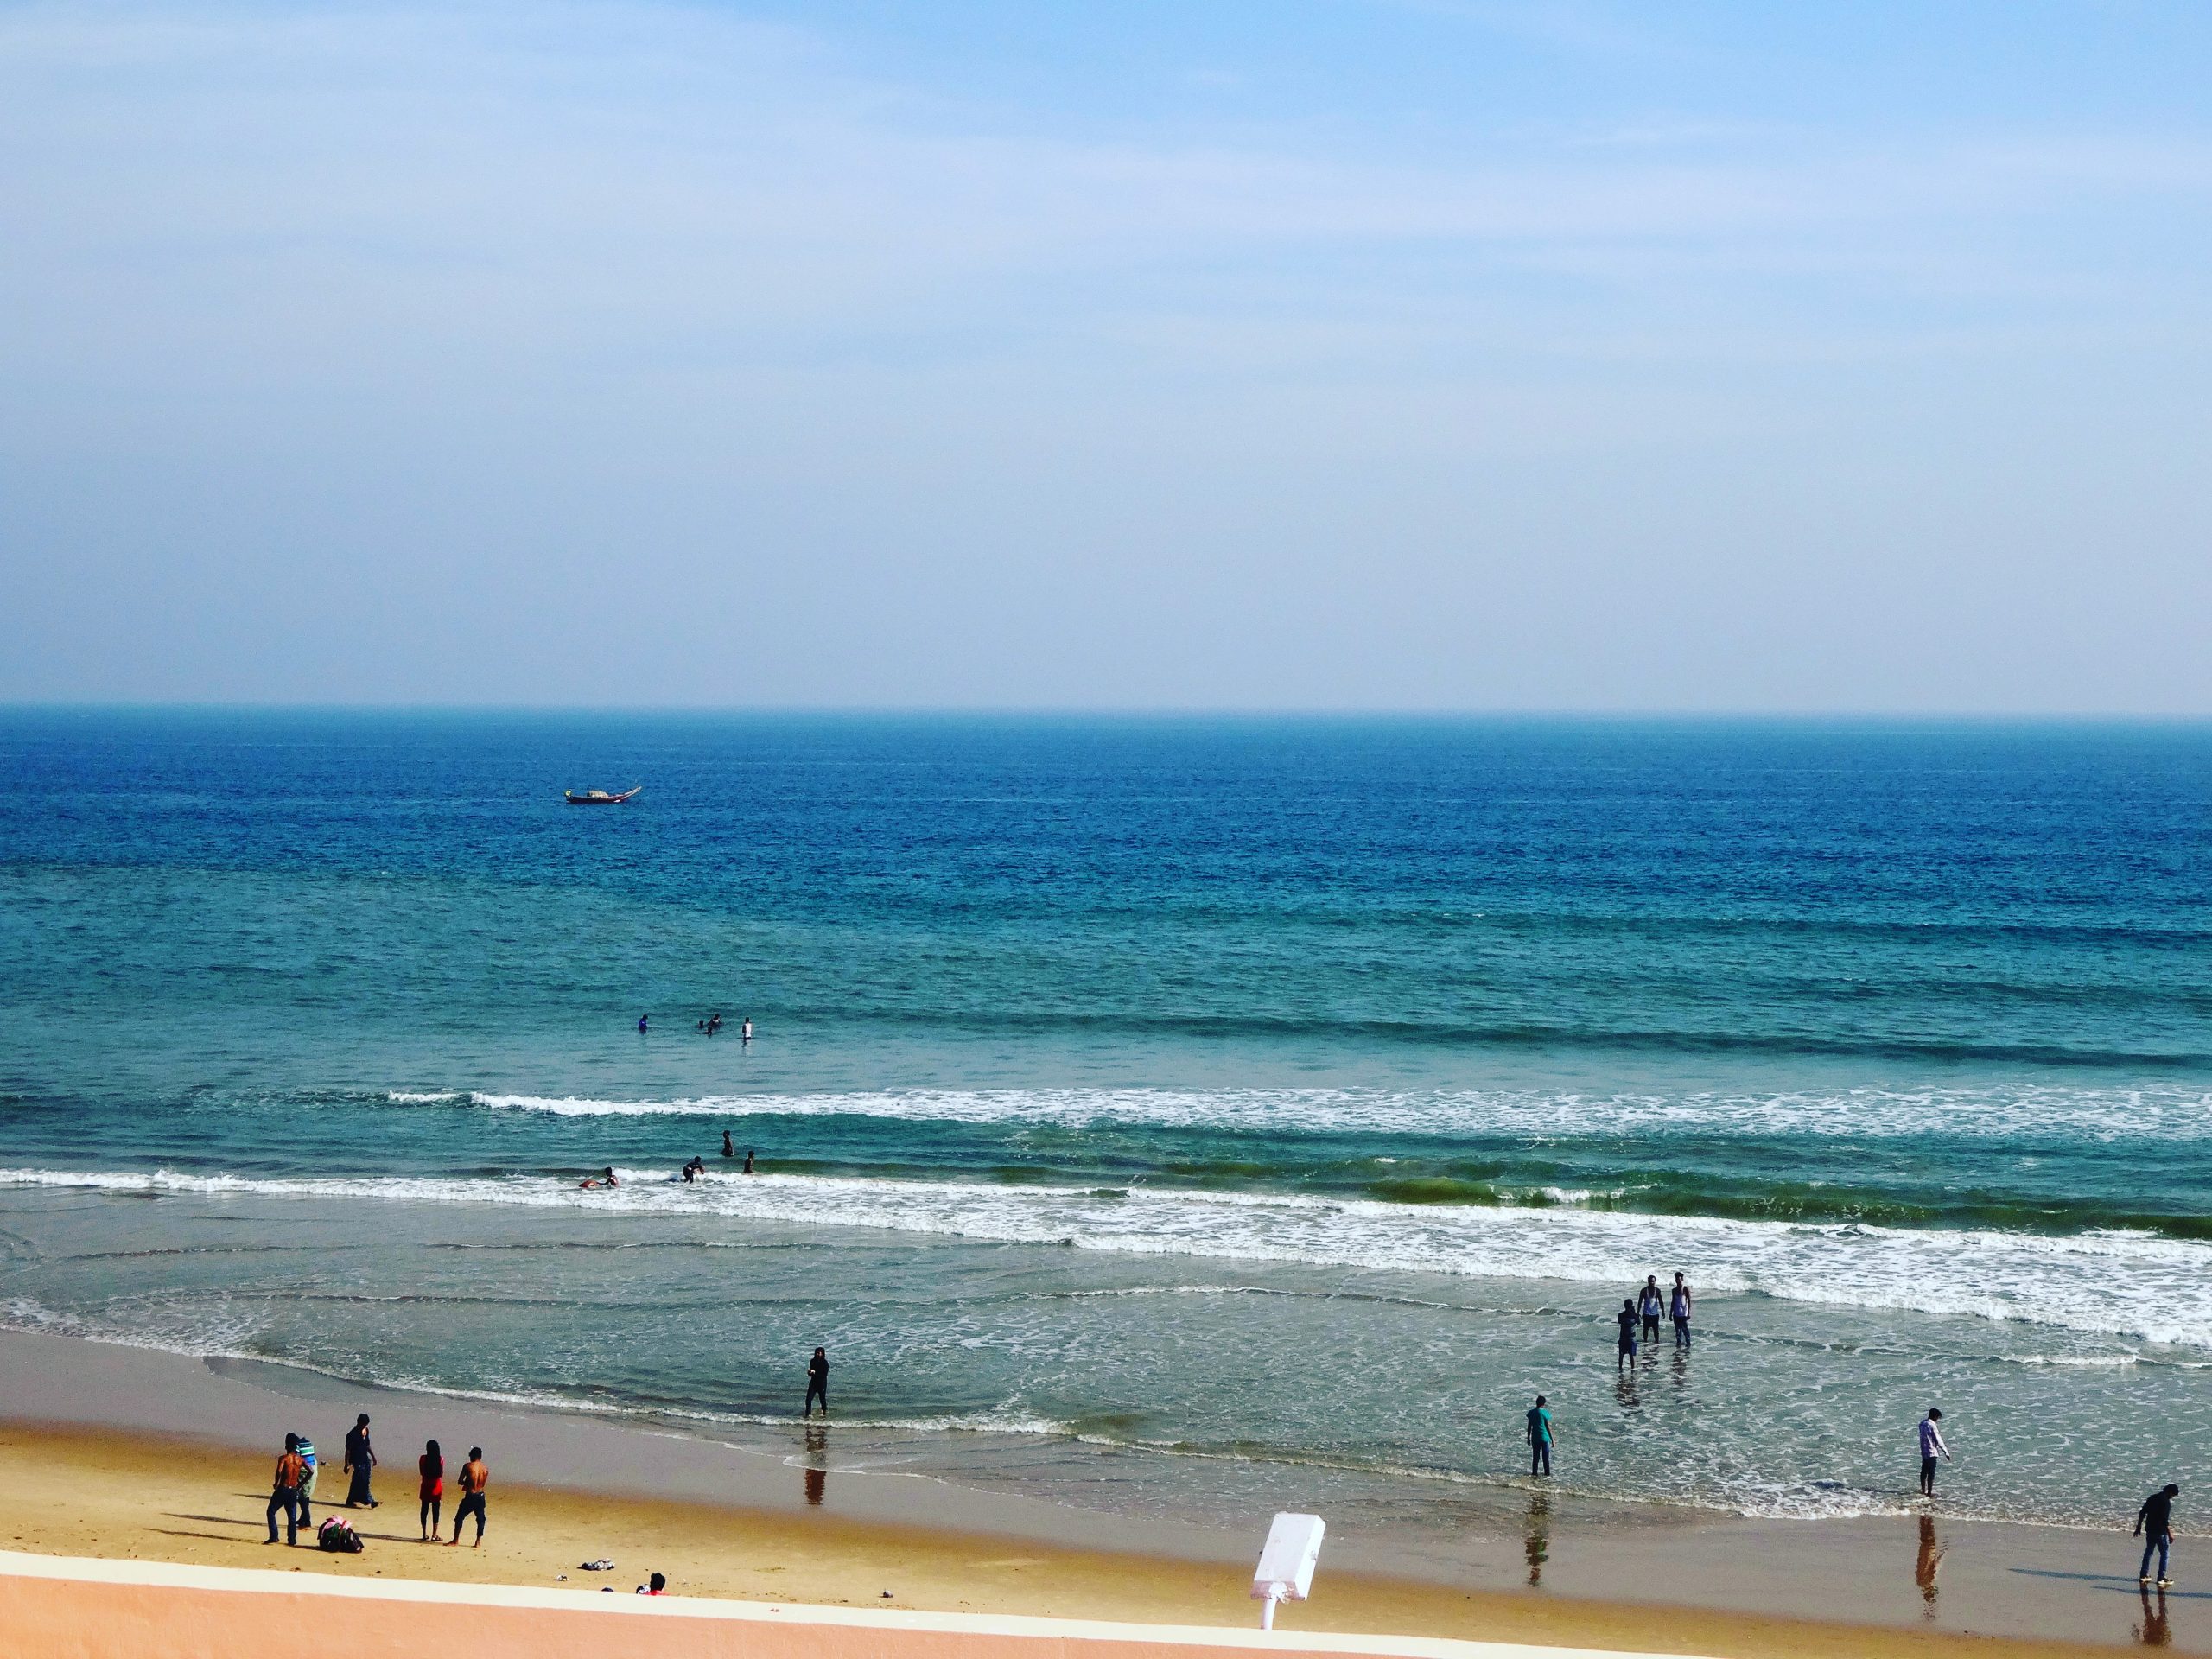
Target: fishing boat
(601,797)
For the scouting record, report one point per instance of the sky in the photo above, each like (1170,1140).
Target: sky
(1311,354)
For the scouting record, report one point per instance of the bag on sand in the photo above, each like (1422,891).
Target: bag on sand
(338,1538)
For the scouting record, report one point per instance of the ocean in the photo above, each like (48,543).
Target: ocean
(1180,1116)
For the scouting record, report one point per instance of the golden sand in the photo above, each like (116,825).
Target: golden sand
(66,1490)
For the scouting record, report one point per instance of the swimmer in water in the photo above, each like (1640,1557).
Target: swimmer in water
(714,1024)
(729,1148)
(641,1023)
(745,1032)
(605,1177)
(747,1170)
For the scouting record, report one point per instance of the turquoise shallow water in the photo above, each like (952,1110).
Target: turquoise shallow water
(1184,1114)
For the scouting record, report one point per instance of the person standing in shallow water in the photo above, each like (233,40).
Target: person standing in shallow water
(1626,1320)
(1678,1304)
(1540,1439)
(817,1384)
(1648,1303)
(729,1147)
(360,1457)
(1931,1448)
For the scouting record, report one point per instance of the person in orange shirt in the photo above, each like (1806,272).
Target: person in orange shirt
(474,1478)
(284,1490)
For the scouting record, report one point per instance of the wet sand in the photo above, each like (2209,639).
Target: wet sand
(131,1453)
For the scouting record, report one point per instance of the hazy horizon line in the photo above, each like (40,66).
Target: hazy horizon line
(1136,712)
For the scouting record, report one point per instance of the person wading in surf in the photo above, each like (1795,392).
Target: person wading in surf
(1540,1439)
(1648,1304)
(1931,1448)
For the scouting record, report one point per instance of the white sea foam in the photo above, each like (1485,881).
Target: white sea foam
(2116,1283)
(2166,1113)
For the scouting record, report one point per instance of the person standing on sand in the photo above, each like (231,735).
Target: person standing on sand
(432,1467)
(284,1492)
(1679,1306)
(360,1457)
(1540,1439)
(1648,1303)
(474,1478)
(306,1449)
(817,1384)
(1626,1320)
(2154,1524)
(1931,1448)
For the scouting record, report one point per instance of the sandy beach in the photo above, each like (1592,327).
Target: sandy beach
(131,1453)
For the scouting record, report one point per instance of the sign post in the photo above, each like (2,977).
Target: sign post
(1286,1569)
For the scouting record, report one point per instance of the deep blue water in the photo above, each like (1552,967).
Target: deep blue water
(1351,1047)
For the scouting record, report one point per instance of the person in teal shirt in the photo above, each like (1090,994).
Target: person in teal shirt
(306,1449)
(1540,1439)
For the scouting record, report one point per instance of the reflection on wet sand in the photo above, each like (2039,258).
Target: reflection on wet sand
(817,1473)
(1538,1548)
(1924,1569)
(2153,1631)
